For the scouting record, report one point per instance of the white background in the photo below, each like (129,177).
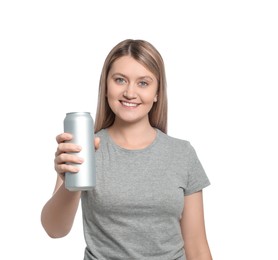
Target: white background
(222,63)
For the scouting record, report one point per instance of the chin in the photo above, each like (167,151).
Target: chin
(132,120)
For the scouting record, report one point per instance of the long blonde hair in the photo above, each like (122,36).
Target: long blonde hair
(147,55)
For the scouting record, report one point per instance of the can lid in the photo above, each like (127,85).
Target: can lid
(78,113)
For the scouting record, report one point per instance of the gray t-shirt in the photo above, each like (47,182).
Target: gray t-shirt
(135,209)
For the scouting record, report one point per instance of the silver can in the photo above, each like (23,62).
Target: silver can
(81,126)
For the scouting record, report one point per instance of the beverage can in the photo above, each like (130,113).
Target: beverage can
(81,126)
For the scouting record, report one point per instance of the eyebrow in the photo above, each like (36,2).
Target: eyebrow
(124,76)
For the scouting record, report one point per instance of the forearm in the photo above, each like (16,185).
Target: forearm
(58,213)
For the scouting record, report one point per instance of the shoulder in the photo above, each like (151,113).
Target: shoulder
(102,134)
(175,143)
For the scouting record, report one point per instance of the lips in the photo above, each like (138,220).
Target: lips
(129,104)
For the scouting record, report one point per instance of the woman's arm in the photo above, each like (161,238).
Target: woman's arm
(59,212)
(193,228)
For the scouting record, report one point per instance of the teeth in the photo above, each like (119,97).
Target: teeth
(129,104)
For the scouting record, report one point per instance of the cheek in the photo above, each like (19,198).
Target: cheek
(110,97)
(149,98)
(112,100)
(111,93)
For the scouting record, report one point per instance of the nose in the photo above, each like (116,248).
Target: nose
(130,92)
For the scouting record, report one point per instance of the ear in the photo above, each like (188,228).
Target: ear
(155,98)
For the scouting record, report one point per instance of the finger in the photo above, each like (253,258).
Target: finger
(63,137)
(62,168)
(97,142)
(68,158)
(67,148)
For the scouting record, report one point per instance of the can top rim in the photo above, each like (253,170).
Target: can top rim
(78,113)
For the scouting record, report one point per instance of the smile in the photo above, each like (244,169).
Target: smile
(127,104)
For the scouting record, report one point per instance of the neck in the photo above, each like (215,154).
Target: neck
(132,136)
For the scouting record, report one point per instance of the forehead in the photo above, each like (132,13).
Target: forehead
(129,66)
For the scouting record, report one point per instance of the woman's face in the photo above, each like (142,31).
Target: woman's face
(131,90)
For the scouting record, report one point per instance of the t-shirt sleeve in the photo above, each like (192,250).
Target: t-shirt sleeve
(196,176)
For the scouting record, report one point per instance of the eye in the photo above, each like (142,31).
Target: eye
(143,83)
(120,80)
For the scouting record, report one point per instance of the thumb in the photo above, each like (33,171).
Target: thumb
(97,142)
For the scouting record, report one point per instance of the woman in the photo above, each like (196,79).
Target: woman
(147,203)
